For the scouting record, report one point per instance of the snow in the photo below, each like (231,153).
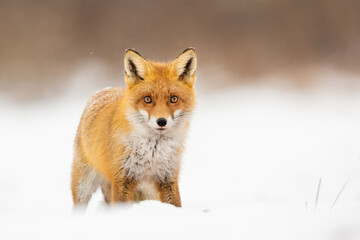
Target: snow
(251,169)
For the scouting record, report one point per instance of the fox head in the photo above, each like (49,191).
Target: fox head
(160,95)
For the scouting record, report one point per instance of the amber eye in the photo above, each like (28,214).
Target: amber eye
(147,99)
(174,99)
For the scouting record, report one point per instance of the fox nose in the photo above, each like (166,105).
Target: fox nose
(161,122)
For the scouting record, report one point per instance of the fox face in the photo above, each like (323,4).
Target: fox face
(161,95)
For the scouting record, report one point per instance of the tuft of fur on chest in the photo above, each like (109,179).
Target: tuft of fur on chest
(154,157)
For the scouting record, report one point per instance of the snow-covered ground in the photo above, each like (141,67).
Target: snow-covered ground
(254,158)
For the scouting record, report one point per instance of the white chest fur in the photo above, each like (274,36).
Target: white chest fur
(156,156)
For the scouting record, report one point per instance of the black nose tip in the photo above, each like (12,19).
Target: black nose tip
(161,122)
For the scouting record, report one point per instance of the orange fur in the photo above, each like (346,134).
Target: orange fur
(107,137)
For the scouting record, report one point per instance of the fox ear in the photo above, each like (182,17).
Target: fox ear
(185,65)
(135,66)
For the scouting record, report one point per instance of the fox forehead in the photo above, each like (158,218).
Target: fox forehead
(159,90)
(161,85)
(159,71)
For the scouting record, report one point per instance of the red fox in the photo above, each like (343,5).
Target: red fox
(129,141)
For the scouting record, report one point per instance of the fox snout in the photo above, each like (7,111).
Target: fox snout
(161,122)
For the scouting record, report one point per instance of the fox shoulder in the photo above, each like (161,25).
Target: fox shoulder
(97,102)
(102,97)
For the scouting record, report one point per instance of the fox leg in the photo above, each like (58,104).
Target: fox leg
(123,190)
(169,192)
(106,190)
(84,181)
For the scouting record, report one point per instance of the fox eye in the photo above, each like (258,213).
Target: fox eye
(147,99)
(174,99)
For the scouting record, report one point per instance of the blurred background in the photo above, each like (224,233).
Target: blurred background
(43,43)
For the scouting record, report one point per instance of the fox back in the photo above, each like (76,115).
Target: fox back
(130,141)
